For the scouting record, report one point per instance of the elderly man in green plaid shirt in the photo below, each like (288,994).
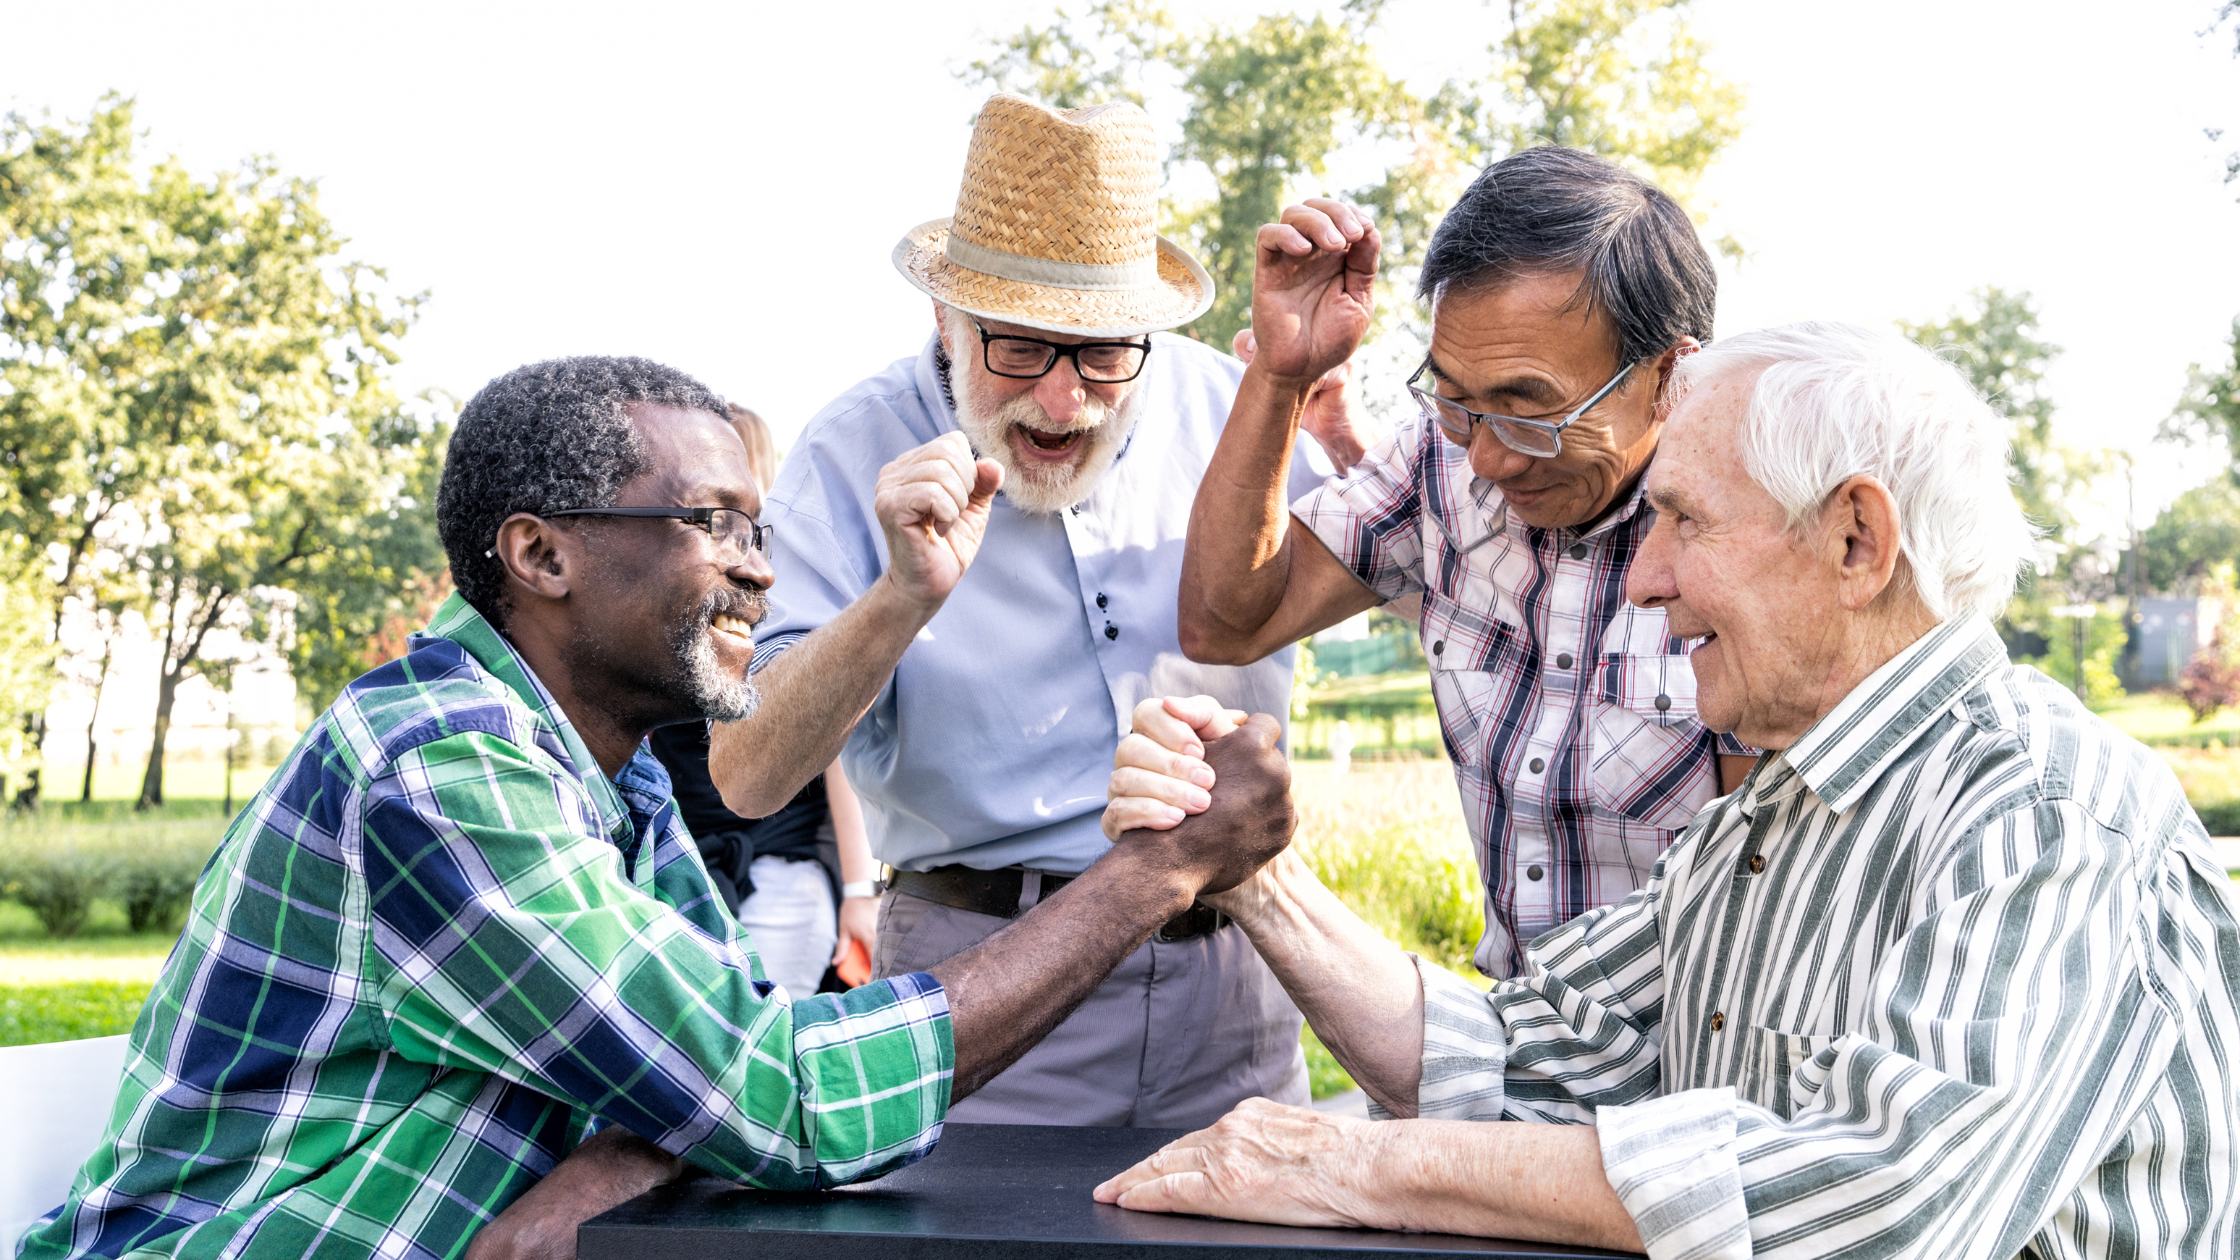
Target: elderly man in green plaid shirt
(462,928)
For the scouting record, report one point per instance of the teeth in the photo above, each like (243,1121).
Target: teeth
(730,624)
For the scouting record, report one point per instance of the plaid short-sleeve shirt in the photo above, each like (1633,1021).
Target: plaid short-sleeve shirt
(1569,713)
(429,955)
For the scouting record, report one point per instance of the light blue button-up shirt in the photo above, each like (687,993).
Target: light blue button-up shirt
(993,742)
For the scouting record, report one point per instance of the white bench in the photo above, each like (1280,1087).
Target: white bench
(54,1104)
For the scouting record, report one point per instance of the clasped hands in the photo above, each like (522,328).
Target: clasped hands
(1263,1161)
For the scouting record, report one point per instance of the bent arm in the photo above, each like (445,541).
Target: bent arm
(1361,993)
(812,696)
(510,942)
(1249,586)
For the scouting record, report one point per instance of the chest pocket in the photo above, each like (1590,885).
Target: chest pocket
(1473,657)
(1650,759)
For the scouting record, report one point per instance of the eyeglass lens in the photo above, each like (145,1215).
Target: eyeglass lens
(1455,419)
(736,533)
(1020,357)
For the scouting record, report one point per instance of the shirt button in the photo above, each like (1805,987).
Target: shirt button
(1579,551)
(1718,1021)
(1533,873)
(1536,765)
(1563,660)
(1757,863)
(1439,647)
(1663,703)
(1111,631)
(1100,599)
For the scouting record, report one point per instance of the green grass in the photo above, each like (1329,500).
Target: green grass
(2159,719)
(183,780)
(35,1013)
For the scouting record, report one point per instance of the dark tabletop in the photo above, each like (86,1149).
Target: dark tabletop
(988,1192)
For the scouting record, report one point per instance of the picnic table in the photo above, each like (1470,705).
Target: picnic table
(988,1192)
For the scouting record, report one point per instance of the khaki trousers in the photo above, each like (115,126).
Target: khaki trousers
(1176,1036)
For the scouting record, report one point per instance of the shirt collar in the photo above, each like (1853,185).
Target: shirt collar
(461,623)
(1842,755)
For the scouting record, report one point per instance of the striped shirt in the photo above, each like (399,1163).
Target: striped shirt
(1955,975)
(433,951)
(1569,713)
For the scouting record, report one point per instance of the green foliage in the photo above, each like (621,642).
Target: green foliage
(2209,410)
(2104,641)
(1326,1078)
(1390,843)
(196,391)
(32,1014)
(1996,345)
(2197,532)
(1264,104)
(27,654)
(56,866)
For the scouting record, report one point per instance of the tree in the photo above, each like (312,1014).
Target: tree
(2197,532)
(1997,347)
(197,382)
(1265,104)
(2208,412)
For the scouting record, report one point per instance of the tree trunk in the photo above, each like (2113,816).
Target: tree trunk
(100,684)
(151,783)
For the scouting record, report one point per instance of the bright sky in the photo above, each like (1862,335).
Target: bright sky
(719,186)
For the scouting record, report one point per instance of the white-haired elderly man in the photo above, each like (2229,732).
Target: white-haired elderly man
(1953,973)
(1049,442)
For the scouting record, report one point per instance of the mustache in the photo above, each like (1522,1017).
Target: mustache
(1026,412)
(748,605)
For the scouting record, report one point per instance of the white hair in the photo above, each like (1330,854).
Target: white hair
(1836,401)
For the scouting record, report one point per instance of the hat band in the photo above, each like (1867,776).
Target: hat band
(1093,277)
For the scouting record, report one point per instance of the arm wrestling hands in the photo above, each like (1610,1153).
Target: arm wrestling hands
(1294,1166)
(1005,993)
(933,504)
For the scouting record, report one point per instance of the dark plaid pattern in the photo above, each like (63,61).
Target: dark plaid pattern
(1569,713)
(430,954)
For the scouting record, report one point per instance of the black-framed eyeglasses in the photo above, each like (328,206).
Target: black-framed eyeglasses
(1029,358)
(735,533)
(1541,439)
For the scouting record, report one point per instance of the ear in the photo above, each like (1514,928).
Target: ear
(1666,364)
(1862,539)
(537,556)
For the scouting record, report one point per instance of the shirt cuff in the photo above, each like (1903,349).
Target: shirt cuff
(768,650)
(1672,1162)
(1465,1051)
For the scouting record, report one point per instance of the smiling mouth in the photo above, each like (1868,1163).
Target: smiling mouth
(729,624)
(1045,443)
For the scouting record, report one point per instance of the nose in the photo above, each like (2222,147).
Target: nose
(1492,459)
(756,572)
(1649,580)
(1060,393)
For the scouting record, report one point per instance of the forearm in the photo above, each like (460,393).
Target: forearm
(609,1168)
(1236,562)
(1492,1179)
(1007,993)
(1361,993)
(812,697)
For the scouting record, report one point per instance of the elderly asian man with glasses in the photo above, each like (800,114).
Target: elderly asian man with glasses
(1563,292)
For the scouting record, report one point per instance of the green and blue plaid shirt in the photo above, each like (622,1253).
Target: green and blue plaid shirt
(437,948)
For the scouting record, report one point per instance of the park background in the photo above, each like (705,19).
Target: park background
(253,256)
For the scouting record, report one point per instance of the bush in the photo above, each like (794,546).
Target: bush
(1391,844)
(155,886)
(56,881)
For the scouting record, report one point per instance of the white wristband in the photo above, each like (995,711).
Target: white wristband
(859,888)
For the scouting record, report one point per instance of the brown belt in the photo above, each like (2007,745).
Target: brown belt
(997,893)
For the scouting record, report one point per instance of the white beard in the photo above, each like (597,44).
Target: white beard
(1041,489)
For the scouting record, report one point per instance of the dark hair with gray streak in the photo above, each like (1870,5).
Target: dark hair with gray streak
(543,438)
(1554,210)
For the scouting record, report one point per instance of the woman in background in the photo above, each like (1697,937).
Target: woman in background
(801,881)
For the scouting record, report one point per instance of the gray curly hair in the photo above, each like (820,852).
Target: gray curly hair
(543,438)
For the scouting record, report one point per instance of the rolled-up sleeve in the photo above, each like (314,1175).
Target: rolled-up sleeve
(506,940)
(1371,517)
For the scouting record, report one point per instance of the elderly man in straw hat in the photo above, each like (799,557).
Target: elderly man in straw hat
(1049,441)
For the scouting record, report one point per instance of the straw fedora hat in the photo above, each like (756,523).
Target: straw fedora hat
(1054,227)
